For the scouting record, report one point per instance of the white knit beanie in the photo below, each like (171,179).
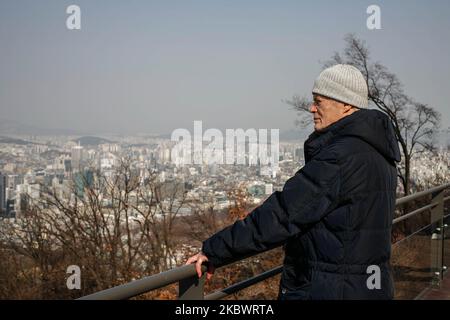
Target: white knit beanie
(344,83)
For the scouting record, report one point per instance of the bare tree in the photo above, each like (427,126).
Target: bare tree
(414,123)
(301,105)
(117,228)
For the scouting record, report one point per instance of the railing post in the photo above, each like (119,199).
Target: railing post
(192,288)
(437,239)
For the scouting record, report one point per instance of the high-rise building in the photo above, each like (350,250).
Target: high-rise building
(2,193)
(67,165)
(10,212)
(77,158)
(83,180)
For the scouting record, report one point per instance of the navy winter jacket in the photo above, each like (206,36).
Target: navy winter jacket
(333,216)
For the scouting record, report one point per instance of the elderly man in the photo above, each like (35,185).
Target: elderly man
(334,215)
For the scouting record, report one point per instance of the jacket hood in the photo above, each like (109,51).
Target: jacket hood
(372,126)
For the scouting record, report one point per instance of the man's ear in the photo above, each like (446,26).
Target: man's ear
(347,108)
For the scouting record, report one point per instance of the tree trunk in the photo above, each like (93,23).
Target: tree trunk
(407,184)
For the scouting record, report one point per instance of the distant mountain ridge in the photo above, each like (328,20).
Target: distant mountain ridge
(8,127)
(92,141)
(9,140)
(285,135)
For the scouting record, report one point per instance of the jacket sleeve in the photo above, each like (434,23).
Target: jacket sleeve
(305,199)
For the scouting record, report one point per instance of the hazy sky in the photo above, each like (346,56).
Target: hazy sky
(153,66)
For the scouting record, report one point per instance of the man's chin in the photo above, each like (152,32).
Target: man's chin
(318,127)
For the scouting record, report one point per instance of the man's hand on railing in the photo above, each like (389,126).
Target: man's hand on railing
(198,259)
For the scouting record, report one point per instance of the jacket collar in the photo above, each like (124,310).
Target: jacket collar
(317,140)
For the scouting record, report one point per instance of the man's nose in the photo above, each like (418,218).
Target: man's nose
(312,108)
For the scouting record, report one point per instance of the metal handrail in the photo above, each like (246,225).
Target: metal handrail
(186,272)
(244,284)
(413,213)
(137,287)
(421,194)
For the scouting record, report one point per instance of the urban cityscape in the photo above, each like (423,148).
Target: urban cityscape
(31,166)
(41,163)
